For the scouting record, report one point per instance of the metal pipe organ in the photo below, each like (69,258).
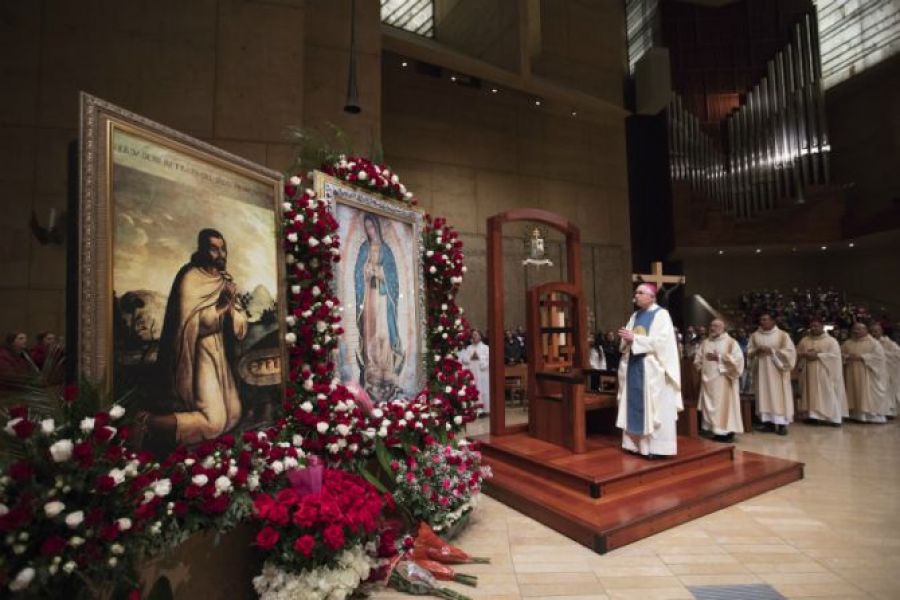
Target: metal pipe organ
(775,145)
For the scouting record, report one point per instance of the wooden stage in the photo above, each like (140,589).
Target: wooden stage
(606,498)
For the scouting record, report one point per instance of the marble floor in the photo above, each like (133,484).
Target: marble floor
(835,534)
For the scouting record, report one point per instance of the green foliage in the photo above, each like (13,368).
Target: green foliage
(317,147)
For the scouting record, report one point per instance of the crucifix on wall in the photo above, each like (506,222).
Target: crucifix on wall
(659,279)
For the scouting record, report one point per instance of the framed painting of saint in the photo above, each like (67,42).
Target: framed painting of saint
(379,283)
(181,302)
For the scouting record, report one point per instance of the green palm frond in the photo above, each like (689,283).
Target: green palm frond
(315,147)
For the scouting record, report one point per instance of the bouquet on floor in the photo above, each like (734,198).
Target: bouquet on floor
(441,484)
(321,534)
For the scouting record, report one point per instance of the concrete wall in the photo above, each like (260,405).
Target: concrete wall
(469,154)
(235,73)
(864,124)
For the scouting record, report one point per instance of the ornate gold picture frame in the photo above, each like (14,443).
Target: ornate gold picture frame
(181,277)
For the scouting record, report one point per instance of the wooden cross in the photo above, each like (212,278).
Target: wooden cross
(656,276)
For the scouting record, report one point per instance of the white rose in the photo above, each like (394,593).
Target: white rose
(74,519)
(48,426)
(362,176)
(124,524)
(200,480)
(117,549)
(52,509)
(432,269)
(327,240)
(395,180)
(294,180)
(377,413)
(286,206)
(252,482)
(290,337)
(409,416)
(322,427)
(295,289)
(3,509)
(10,425)
(277,466)
(118,475)
(289,258)
(116,412)
(313,242)
(69,566)
(22,579)
(292,238)
(316,291)
(321,326)
(162,487)
(343,429)
(291,320)
(299,218)
(334,448)
(307,405)
(223,484)
(87,425)
(457,419)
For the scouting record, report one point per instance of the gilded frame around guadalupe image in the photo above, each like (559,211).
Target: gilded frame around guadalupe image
(181,277)
(379,282)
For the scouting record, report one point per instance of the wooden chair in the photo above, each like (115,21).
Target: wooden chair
(516,376)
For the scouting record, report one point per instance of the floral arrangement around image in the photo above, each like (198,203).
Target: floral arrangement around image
(321,532)
(441,484)
(365,173)
(80,509)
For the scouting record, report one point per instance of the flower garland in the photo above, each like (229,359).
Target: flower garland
(80,501)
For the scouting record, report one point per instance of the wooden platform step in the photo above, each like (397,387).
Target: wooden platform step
(605,469)
(654,501)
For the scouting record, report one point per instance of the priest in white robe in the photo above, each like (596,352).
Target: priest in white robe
(476,358)
(772,357)
(892,356)
(865,375)
(821,374)
(649,396)
(721,362)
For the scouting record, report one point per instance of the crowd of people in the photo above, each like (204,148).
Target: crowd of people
(794,310)
(18,356)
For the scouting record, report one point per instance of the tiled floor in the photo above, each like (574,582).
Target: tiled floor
(836,534)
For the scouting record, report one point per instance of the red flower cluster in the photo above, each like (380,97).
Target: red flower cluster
(363,172)
(305,530)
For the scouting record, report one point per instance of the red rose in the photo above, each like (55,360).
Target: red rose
(180,509)
(18,412)
(53,546)
(334,537)
(288,496)
(71,392)
(23,428)
(267,538)
(105,483)
(109,532)
(83,453)
(305,545)
(104,433)
(21,471)
(262,505)
(216,505)
(306,515)
(279,514)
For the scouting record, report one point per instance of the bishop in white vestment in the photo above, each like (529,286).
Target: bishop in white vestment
(649,394)
(720,361)
(772,357)
(822,394)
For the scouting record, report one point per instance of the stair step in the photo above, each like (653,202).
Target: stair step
(618,519)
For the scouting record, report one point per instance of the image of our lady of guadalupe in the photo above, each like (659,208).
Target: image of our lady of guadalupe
(380,354)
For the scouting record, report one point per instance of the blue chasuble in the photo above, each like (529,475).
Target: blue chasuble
(643,320)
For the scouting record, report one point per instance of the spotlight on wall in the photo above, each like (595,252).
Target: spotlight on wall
(851,245)
(404,64)
(758,250)
(721,252)
(453,78)
(574,113)
(537,102)
(824,247)
(495,90)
